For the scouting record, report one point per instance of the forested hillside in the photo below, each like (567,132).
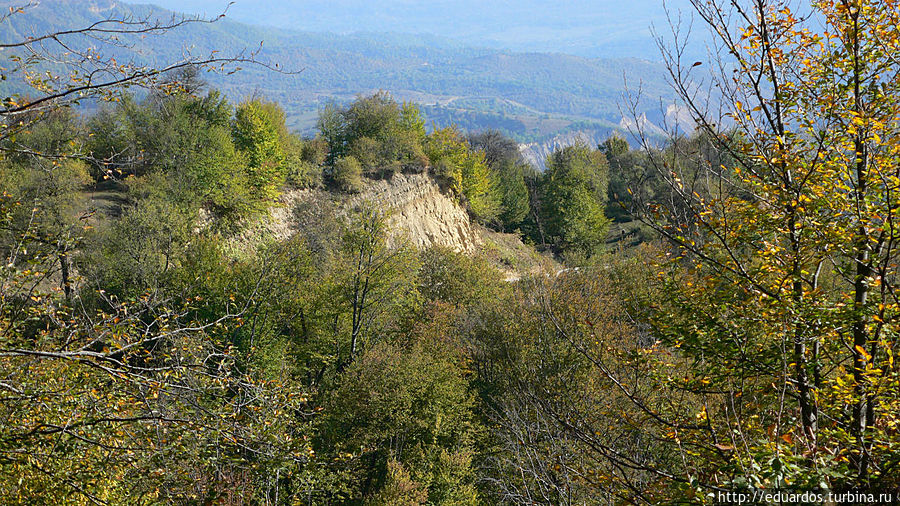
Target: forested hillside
(581,27)
(528,96)
(200,305)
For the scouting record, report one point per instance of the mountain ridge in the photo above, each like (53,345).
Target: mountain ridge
(583,27)
(532,97)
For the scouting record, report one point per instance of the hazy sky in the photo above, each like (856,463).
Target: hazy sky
(585,27)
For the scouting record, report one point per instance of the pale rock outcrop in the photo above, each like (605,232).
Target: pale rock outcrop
(416,209)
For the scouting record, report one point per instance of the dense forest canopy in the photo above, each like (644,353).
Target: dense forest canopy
(718,315)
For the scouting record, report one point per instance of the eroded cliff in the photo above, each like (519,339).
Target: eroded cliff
(417,211)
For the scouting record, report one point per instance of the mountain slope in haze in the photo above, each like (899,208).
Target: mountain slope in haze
(532,97)
(591,28)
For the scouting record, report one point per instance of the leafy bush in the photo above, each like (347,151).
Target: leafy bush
(347,174)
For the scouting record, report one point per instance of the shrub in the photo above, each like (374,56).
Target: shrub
(347,174)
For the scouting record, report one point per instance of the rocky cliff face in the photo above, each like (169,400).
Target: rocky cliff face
(536,153)
(416,208)
(419,212)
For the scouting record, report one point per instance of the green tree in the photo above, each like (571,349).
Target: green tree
(466,171)
(514,190)
(137,252)
(258,131)
(375,279)
(629,174)
(574,199)
(411,138)
(400,489)
(333,129)
(304,165)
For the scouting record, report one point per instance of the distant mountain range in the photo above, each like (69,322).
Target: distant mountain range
(533,97)
(591,28)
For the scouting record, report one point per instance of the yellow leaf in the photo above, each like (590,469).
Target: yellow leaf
(863,352)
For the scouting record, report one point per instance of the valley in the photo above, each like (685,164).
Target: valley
(535,98)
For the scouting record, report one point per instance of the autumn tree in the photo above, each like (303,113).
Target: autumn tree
(758,348)
(785,230)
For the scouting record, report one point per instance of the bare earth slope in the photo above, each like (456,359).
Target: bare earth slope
(418,212)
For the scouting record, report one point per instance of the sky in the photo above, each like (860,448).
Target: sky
(592,28)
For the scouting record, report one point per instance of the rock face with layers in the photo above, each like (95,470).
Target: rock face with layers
(416,208)
(420,212)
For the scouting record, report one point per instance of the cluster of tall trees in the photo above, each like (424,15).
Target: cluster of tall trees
(563,209)
(230,159)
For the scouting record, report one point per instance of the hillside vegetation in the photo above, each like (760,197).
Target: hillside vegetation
(304,267)
(199,305)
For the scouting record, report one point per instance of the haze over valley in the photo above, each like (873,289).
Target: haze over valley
(578,27)
(540,99)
